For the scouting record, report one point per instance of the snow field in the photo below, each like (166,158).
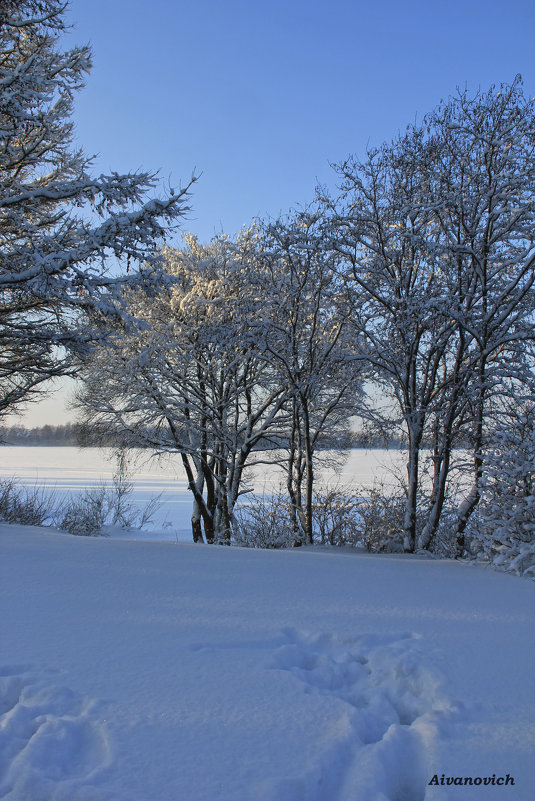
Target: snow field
(133,671)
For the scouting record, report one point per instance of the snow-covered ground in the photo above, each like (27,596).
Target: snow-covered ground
(155,670)
(165,671)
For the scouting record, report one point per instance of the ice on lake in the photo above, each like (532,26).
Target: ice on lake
(70,470)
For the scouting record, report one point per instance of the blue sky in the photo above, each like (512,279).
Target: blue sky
(260,97)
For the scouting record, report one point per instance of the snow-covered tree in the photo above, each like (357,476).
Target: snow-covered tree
(194,379)
(502,530)
(437,231)
(306,318)
(60,226)
(396,290)
(482,195)
(242,352)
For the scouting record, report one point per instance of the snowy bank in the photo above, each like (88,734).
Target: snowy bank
(152,671)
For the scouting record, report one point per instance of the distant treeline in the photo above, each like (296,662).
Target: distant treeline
(74,434)
(67,434)
(60,435)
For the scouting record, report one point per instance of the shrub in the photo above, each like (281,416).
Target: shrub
(503,531)
(381,513)
(26,506)
(86,514)
(340,517)
(336,519)
(264,522)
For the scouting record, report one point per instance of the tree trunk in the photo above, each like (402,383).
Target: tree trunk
(294,479)
(309,483)
(201,507)
(443,442)
(409,522)
(441,470)
(469,504)
(196,525)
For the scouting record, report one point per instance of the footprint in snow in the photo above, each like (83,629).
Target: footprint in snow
(393,702)
(48,735)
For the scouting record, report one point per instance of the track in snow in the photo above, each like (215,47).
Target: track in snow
(392,706)
(50,738)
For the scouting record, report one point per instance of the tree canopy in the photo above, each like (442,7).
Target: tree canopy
(62,229)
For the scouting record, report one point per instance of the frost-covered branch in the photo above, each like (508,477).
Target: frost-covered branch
(62,231)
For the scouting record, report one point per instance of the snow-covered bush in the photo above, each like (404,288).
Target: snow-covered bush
(507,554)
(26,506)
(264,522)
(508,503)
(97,507)
(381,513)
(121,512)
(335,516)
(86,514)
(372,520)
(505,530)
(89,513)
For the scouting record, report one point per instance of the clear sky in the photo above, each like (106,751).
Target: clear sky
(260,97)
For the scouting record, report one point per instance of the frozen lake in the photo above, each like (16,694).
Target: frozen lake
(71,469)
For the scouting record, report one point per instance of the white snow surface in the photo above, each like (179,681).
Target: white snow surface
(165,671)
